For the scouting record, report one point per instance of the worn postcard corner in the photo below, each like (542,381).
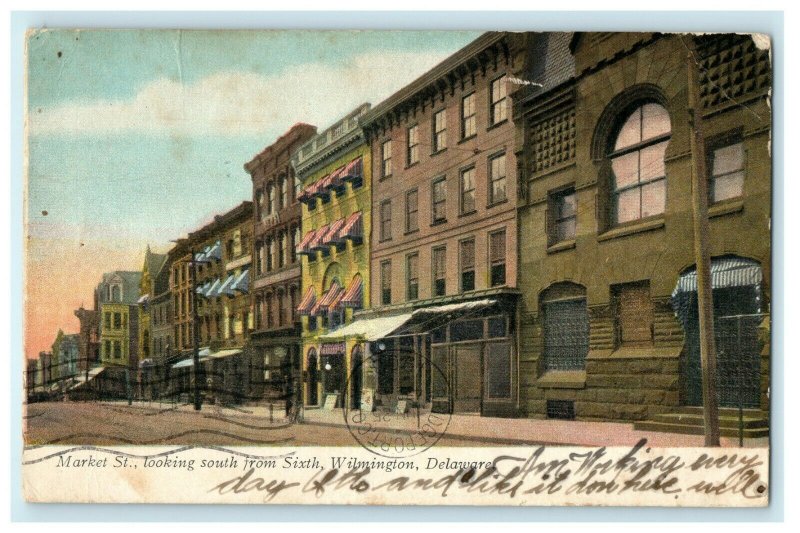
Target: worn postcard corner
(397,268)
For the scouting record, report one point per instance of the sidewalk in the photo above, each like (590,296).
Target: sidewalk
(526,431)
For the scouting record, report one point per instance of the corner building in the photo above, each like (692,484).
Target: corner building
(609,310)
(444,238)
(333,170)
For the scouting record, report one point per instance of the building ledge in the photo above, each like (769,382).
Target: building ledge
(726,207)
(631,229)
(562,379)
(647,352)
(561,246)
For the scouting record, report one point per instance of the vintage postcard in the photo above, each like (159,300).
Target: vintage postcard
(398,268)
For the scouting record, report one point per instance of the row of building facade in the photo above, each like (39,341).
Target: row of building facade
(508,235)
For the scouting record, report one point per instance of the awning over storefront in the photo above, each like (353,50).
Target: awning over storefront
(80,378)
(353,296)
(242,282)
(456,307)
(369,329)
(143,299)
(224,353)
(725,272)
(332,348)
(204,354)
(307,303)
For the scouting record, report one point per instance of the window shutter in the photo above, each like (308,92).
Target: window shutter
(467,255)
(497,247)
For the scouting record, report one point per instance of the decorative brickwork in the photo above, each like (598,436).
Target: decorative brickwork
(553,140)
(732,68)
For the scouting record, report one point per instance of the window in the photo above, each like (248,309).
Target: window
(107,349)
(386,282)
(386,220)
(117,321)
(439,200)
(497,179)
(259,257)
(259,205)
(282,193)
(439,259)
(633,313)
(412,276)
(439,131)
(637,164)
(107,320)
(282,249)
(116,295)
(271,198)
(498,370)
(468,191)
(257,312)
(727,173)
(237,243)
(386,158)
(499,110)
(467,265)
(565,327)
(563,216)
(295,241)
(117,350)
(412,208)
(270,253)
(412,147)
(497,258)
(468,124)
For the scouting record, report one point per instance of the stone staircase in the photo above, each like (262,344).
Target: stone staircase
(689,421)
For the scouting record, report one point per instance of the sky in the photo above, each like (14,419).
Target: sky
(137,137)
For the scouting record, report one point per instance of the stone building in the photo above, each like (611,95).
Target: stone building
(444,199)
(89,338)
(162,334)
(218,283)
(609,312)
(275,284)
(334,177)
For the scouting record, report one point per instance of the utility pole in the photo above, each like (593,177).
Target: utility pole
(195,329)
(705,302)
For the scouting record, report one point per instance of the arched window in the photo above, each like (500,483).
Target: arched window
(116,293)
(639,183)
(565,327)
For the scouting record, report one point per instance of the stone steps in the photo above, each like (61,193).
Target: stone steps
(689,421)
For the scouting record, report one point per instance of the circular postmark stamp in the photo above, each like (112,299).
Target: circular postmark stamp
(397,425)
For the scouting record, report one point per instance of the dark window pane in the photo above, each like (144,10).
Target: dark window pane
(439,287)
(438,334)
(566,335)
(468,281)
(466,330)
(498,275)
(498,370)
(497,327)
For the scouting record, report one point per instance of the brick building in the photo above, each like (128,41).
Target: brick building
(444,232)
(275,286)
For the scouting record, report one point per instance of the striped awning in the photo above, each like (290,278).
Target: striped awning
(317,241)
(215,252)
(302,248)
(213,290)
(227,286)
(335,178)
(324,304)
(353,227)
(242,283)
(308,301)
(353,170)
(725,272)
(332,348)
(352,297)
(333,235)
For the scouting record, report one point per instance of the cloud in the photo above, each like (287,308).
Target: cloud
(243,103)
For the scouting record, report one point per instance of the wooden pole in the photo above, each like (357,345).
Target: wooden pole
(705,302)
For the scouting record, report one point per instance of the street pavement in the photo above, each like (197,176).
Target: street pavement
(107,423)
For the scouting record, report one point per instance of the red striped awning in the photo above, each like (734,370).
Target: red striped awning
(317,241)
(353,227)
(333,235)
(332,348)
(353,295)
(307,302)
(336,178)
(336,300)
(329,295)
(353,170)
(302,248)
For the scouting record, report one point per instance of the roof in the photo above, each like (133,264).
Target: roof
(551,65)
(130,285)
(299,132)
(153,262)
(439,71)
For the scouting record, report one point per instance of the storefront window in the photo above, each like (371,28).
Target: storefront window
(498,370)
(467,330)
